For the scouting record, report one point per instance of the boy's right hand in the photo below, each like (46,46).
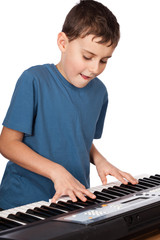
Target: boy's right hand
(66,184)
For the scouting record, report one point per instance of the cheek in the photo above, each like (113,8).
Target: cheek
(102,68)
(71,67)
(74,65)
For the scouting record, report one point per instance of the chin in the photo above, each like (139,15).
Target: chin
(81,85)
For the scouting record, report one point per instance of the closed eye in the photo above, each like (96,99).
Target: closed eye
(102,61)
(87,58)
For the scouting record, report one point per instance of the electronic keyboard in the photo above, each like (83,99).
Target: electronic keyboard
(118,212)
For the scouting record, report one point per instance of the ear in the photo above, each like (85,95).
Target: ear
(62,41)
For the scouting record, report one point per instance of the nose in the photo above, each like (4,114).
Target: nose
(94,67)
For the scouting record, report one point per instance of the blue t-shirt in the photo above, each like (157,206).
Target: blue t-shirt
(59,121)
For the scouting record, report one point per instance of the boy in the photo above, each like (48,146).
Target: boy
(55,113)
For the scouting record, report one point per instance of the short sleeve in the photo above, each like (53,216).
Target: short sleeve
(21,112)
(100,122)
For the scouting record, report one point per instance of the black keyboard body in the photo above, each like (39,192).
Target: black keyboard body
(129,210)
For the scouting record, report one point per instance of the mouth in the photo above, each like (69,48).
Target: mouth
(85,77)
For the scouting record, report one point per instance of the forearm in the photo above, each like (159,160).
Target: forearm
(95,155)
(13,148)
(21,154)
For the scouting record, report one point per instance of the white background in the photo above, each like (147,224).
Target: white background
(131,137)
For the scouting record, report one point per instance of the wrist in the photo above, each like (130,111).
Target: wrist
(56,171)
(53,171)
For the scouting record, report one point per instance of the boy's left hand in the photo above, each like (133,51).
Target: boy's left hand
(105,168)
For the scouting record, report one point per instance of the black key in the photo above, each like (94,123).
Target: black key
(141,185)
(79,203)
(22,217)
(138,185)
(84,204)
(48,211)
(37,213)
(146,183)
(92,201)
(70,205)
(118,189)
(152,181)
(101,196)
(9,223)
(119,193)
(123,190)
(89,201)
(75,204)
(27,217)
(108,193)
(155,178)
(58,206)
(53,210)
(44,211)
(113,192)
(158,175)
(14,217)
(132,187)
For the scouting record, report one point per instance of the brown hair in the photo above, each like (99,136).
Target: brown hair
(91,17)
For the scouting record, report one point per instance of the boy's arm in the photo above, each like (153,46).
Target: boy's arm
(12,147)
(105,168)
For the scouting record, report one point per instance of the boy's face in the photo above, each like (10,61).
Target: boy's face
(82,59)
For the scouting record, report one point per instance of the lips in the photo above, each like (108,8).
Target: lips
(84,76)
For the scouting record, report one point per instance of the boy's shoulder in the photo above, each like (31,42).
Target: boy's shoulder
(37,73)
(99,85)
(37,69)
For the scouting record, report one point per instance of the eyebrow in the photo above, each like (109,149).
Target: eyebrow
(94,53)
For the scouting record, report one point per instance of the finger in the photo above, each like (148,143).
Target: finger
(121,178)
(103,178)
(104,181)
(88,193)
(130,178)
(81,196)
(55,197)
(71,194)
(85,192)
